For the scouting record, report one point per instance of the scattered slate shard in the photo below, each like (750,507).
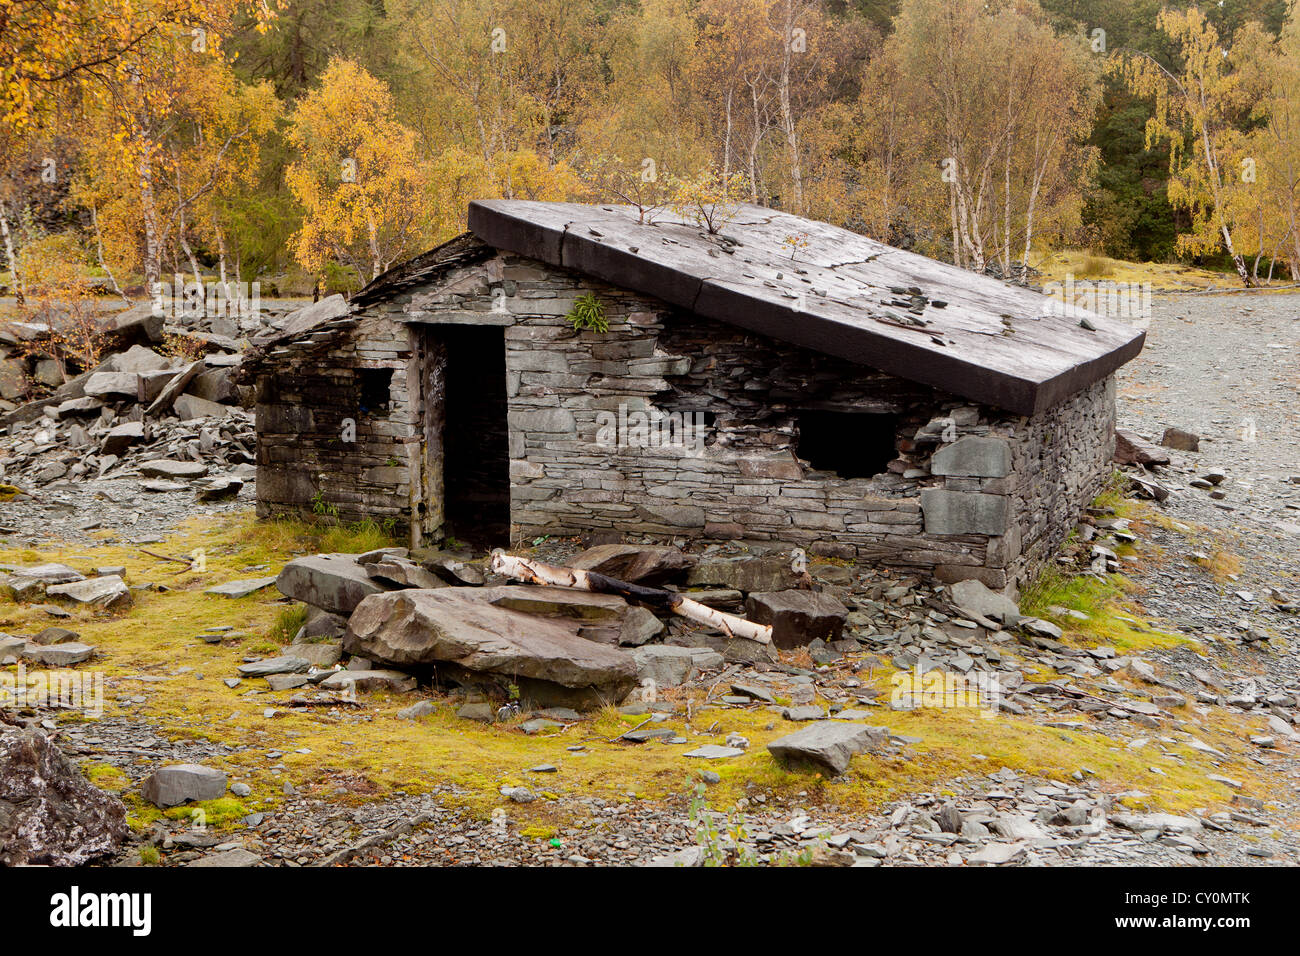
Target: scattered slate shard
(829,745)
(50,815)
(239,589)
(179,783)
(714,752)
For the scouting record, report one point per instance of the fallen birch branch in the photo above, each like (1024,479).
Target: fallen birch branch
(535,572)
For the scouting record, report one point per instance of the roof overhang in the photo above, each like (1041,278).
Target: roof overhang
(824,288)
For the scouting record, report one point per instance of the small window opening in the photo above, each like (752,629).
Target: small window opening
(851,444)
(376,384)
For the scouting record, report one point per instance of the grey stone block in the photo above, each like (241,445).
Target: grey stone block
(964,512)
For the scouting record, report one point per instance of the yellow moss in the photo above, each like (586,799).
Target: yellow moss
(105,776)
(355,756)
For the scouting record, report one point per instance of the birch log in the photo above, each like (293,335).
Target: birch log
(535,572)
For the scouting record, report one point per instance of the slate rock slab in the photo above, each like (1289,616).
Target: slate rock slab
(50,815)
(239,589)
(464,627)
(59,655)
(828,745)
(275,665)
(798,617)
(331,582)
(745,573)
(178,783)
(671,666)
(651,565)
(109,591)
(166,468)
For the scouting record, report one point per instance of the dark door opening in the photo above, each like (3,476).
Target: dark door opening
(476,456)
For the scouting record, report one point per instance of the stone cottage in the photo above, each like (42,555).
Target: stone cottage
(565,368)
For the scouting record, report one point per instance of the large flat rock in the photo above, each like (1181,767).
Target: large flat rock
(463,627)
(829,745)
(331,582)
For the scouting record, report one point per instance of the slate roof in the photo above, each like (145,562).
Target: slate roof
(821,287)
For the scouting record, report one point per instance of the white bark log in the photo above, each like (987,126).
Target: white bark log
(535,572)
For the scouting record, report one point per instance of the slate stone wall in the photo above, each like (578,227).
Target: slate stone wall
(305,463)
(971,491)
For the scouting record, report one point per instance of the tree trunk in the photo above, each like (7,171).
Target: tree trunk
(787,112)
(14,272)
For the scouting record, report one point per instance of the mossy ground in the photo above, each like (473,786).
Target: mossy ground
(357,755)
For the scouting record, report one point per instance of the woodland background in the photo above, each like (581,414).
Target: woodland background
(311,144)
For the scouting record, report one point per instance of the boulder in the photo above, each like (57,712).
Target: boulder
(398,571)
(166,468)
(323,654)
(121,437)
(139,323)
(829,745)
(219,488)
(331,582)
(113,385)
(1132,449)
(1181,440)
(50,815)
(59,655)
(55,635)
(545,657)
(48,574)
(275,665)
(670,666)
(974,599)
(178,783)
(797,617)
(215,385)
(139,359)
(745,573)
(110,591)
(651,565)
(639,627)
(188,407)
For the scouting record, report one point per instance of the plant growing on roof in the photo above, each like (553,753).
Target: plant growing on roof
(588,314)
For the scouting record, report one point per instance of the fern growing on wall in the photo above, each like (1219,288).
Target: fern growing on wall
(588,314)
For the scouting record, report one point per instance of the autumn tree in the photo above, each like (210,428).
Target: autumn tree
(1199,106)
(358,176)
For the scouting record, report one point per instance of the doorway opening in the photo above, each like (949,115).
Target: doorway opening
(475,458)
